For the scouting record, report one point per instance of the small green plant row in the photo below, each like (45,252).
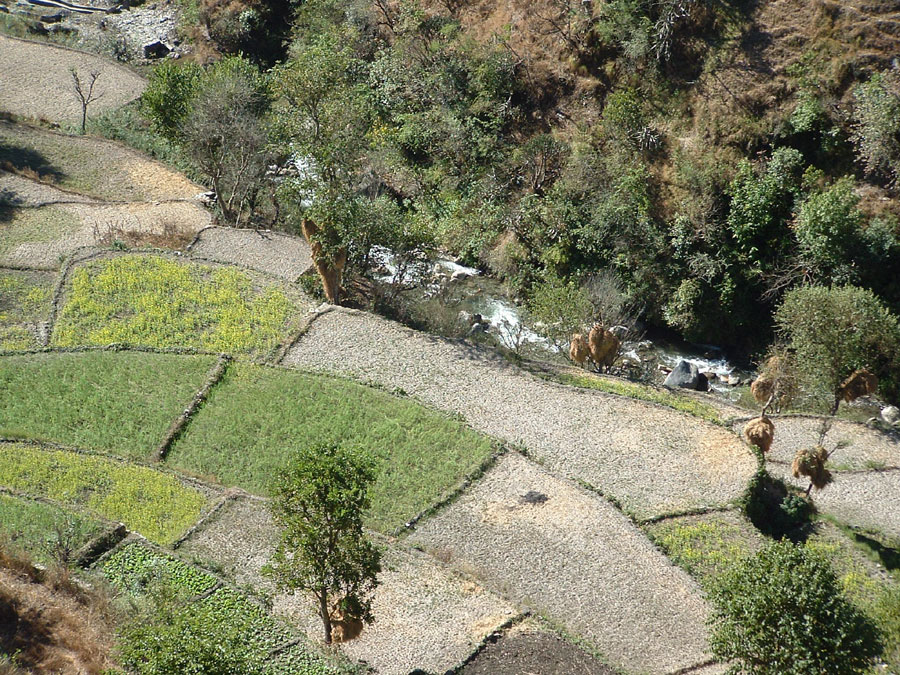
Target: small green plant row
(157,504)
(136,569)
(645,393)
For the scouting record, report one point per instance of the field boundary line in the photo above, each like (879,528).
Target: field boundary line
(490,638)
(178,426)
(294,339)
(227,496)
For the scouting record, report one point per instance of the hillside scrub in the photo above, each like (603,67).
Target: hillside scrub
(108,401)
(256,415)
(156,302)
(154,504)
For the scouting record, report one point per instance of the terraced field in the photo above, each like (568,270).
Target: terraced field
(516,514)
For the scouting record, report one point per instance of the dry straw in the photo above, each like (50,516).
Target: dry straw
(760,432)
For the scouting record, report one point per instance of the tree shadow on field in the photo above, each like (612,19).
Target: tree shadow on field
(9,200)
(28,162)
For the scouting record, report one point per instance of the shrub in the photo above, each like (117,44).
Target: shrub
(828,230)
(877,125)
(781,612)
(770,507)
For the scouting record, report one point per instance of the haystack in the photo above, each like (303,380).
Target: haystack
(860,383)
(762,388)
(578,349)
(810,462)
(760,432)
(603,345)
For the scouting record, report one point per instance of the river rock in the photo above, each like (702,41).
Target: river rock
(56,17)
(619,331)
(156,50)
(686,376)
(891,414)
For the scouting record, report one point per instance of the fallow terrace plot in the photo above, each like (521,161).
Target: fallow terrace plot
(257,415)
(571,555)
(37,81)
(653,460)
(425,616)
(115,402)
(278,254)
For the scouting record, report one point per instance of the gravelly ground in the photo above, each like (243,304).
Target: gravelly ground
(862,446)
(426,616)
(652,459)
(98,224)
(578,560)
(20,191)
(279,254)
(869,499)
(37,81)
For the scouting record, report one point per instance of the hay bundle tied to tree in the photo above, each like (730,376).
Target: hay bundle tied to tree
(810,462)
(762,388)
(860,383)
(760,432)
(603,345)
(578,349)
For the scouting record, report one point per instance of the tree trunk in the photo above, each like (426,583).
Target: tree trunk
(330,268)
(325,614)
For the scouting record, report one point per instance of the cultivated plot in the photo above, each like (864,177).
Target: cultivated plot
(24,308)
(108,401)
(91,166)
(257,415)
(272,252)
(37,81)
(576,559)
(652,459)
(155,504)
(159,302)
(425,616)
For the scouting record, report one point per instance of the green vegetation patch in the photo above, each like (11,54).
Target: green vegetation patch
(24,299)
(706,545)
(153,503)
(138,570)
(36,225)
(44,531)
(644,393)
(257,416)
(156,302)
(111,401)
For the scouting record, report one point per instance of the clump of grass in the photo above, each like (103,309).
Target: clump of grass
(645,393)
(152,503)
(24,298)
(704,546)
(110,401)
(46,533)
(155,302)
(257,416)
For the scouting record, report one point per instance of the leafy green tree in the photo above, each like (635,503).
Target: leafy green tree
(877,124)
(318,500)
(169,95)
(828,230)
(562,308)
(781,612)
(834,331)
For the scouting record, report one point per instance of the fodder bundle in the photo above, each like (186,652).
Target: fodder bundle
(603,345)
(810,462)
(578,349)
(860,383)
(762,388)
(760,432)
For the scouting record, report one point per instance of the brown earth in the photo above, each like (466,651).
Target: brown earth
(534,651)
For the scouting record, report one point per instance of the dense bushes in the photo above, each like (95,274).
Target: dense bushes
(781,612)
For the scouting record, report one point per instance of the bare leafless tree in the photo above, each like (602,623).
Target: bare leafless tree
(84,91)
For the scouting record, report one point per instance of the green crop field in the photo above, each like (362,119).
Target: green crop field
(134,569)
(24,298)
(111,401)
(256,416)
(155,504)
(156,302)
(38,528)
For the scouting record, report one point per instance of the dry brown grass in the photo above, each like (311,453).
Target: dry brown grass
(579,350)
(760,432)
(51,623)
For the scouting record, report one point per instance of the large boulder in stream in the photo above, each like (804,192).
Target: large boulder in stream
(686,376)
